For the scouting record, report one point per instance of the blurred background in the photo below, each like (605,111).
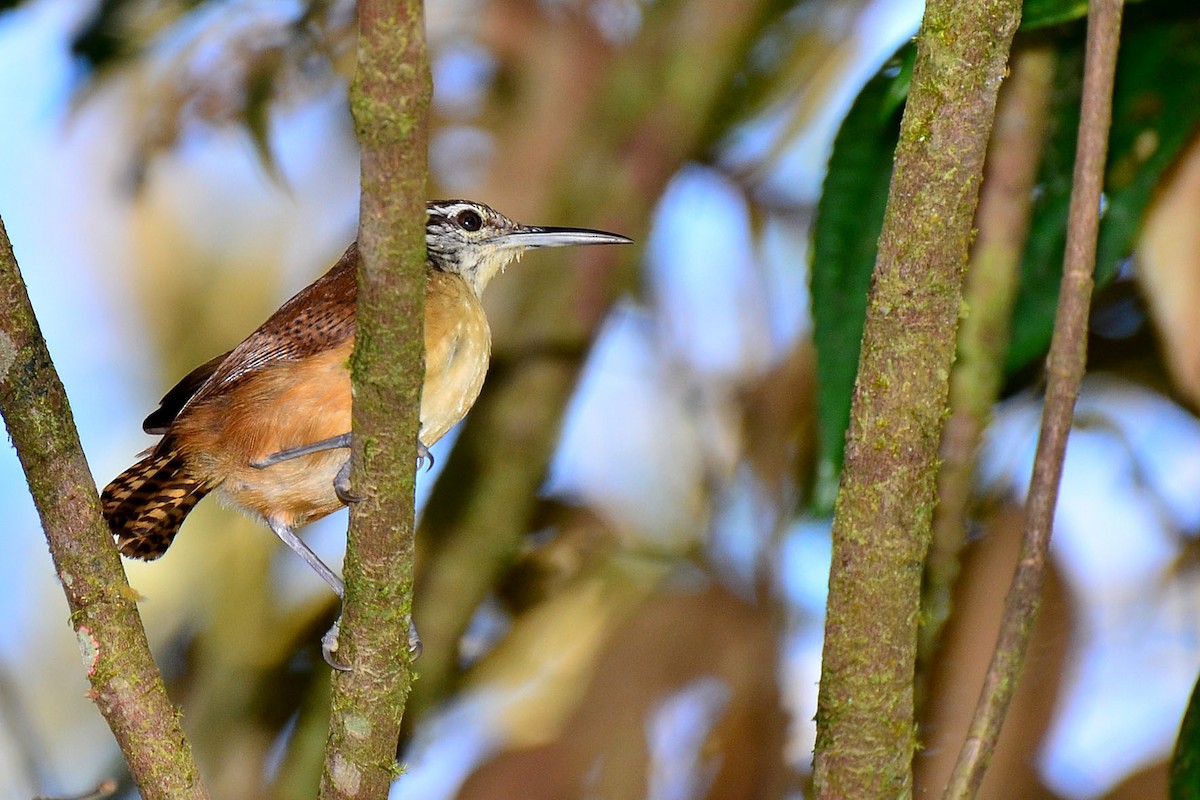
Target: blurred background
(624,549)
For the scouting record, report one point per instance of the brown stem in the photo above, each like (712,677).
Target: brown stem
(390,101)
(104,791)
(1010,175)
(865,727)
(126,685)
(1064,368)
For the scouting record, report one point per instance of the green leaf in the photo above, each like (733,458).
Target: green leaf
(1041,13)
(1185,763)
(1155,113)
(114,31)
(845,235)
(900,65)
(101,40)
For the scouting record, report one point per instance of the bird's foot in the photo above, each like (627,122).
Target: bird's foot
(332,443)
(329,646)
(424,457)
(341,486)
(414,642)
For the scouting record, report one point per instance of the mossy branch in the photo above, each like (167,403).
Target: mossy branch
(390,102)
(865,727)
(1064,371)
(126,685)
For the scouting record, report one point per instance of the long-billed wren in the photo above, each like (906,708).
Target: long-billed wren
(266,424)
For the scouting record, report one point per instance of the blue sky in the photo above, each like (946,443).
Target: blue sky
(720,308)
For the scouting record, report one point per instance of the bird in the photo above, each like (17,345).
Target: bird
(265,426)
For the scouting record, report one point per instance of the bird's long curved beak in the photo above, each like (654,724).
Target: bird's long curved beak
(531,236)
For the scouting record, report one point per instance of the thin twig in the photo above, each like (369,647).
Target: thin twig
(104,791)
(126,685)
(1014,155)
(1065,367)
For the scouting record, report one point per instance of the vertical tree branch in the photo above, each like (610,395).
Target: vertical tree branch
(1014,155)
(1064,371)
(390,101)
(865,727)
(126,685)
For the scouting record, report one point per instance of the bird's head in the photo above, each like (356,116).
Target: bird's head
(476,241)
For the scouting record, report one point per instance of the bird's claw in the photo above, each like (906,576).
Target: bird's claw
(424,457)
(414,642)
(341,486)
(345,495)
(329,646)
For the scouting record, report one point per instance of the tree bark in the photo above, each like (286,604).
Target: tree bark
(865,726)
(126,684)
(390,102)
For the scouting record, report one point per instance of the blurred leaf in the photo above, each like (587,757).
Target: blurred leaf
(791,49)
(901,65)
(1185,763)
(101,40)
(260,90)
(1155,113)
(845,234)
(120,29)
(813,47)
(1040,13)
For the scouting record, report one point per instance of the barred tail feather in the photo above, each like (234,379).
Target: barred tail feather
(146,504)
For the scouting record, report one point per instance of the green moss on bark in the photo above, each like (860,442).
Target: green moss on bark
(865,739)
(389,100)
(126,684)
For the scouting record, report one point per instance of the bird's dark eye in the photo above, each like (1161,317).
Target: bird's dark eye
(470,221)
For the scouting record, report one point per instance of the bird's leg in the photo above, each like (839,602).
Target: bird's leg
(332,443)
(329,640)
(341,486)
(329,644)
(304,551)
(341,483)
